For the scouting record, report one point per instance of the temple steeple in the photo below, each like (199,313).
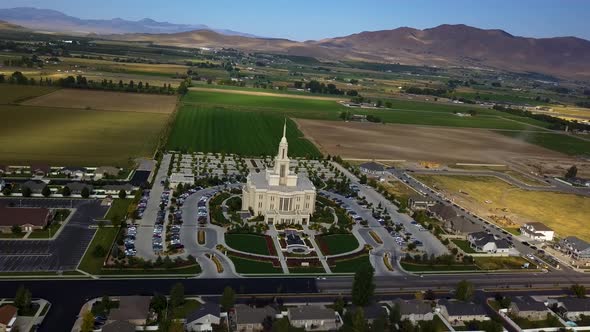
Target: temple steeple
(282,159)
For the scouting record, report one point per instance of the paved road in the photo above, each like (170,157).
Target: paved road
(60,254)
(431,244)
(143,243)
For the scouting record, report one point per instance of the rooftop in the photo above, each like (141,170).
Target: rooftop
(6,313)
(311,312)
(119,326)
(205,309)
(576,304)
(527,303)
(537,226)
(372,166)
(131,308)
(10,216)
(459,308)
(248,315)
(443,211)
(408,307)
(259,181)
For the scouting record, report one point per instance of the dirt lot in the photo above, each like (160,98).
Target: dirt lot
(106,100)
(416,143)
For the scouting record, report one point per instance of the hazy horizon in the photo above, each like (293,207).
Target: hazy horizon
(304,20)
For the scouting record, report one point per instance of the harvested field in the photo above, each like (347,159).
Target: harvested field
(12,93)
(106,100)
(264,94)
(408,142)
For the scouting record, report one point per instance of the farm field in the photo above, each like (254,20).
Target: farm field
(564,213)
(404,112)
(248,243)
(10,93)
(60,136)
(404,142)
(218,129)
(106,100)
(567,144)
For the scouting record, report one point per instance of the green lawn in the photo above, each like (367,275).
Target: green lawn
(11,235)
(433,268)
(248,266)
(337,243)
(104,237)
(118,208)
(222,129)
(464,245)
(182,311)
(47,232)
(60,136)
(310,269)
(350,265)
(251,243)
(562,143)
(524,323)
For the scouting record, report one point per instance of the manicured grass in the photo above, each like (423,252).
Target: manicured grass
(60,136)
(252,243)
(310,269)
(104,237)
(119,208)
(524,323)
(186,308)
(433,268)
(12,93)
(248,266)
(337,243)
(499,263)
(47,232)
(219,129)
(564,213)
(12,236)
(186,270)
(350,265)
(463,245)
(557,142)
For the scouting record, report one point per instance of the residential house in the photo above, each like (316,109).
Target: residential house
(575,307)
(106,171)
(77,187)
(485,242)
(420,202)
(8,314)
(118,326)
(313,317)
(27,218)
(2,184)
(114,189)
(40,169)
(74,172)
(35,186)
(372,168)
(537,231)
(414,310)
(527,307)
(203,318)
(442,212)
(460,226)
(132,309)
(575,247)
(458,312)
(249,319)
(372,312)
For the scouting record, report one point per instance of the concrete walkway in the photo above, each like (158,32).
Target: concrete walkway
(321,257)
(274,234)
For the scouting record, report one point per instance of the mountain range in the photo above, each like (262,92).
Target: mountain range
(445,45)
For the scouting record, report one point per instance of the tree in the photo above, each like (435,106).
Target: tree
(158,303)
(363,285)
(26,191)
(85,192)
(7,191)
(339,305)
(228,298)
(22,300)
(122,194)
(572,172)
(464,291)
(66,191)
(87,322)
(395,315)
(579,290)
(16,229)
(46,192)
(358,320)
(177,295)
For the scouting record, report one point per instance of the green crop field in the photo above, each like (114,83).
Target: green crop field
(60,136)
(557,142)
(217,129)
(10,93)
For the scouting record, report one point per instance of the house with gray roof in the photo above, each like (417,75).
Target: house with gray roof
(537,231)
(372,312)
(485,242)
(203,318)
(73,171)
(114,189)
(313,318)
(461,226)
(118,326)
(574,308)
(414,310)
(132,309)
(35,186)
(372,168)
(575,247)
(459,312)
(106,171)
(77,187)
(529,308)
(249,319)
(420,202)
(442,211)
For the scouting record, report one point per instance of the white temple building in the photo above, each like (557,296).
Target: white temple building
(278,194)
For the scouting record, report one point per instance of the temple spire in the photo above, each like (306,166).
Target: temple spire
(285,129)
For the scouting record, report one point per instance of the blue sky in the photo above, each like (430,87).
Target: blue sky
(307,19)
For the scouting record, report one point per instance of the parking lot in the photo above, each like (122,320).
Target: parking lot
(62,253)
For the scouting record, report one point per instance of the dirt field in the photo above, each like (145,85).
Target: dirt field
(565,213)
(416,143)
(106,100)
(264,94)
